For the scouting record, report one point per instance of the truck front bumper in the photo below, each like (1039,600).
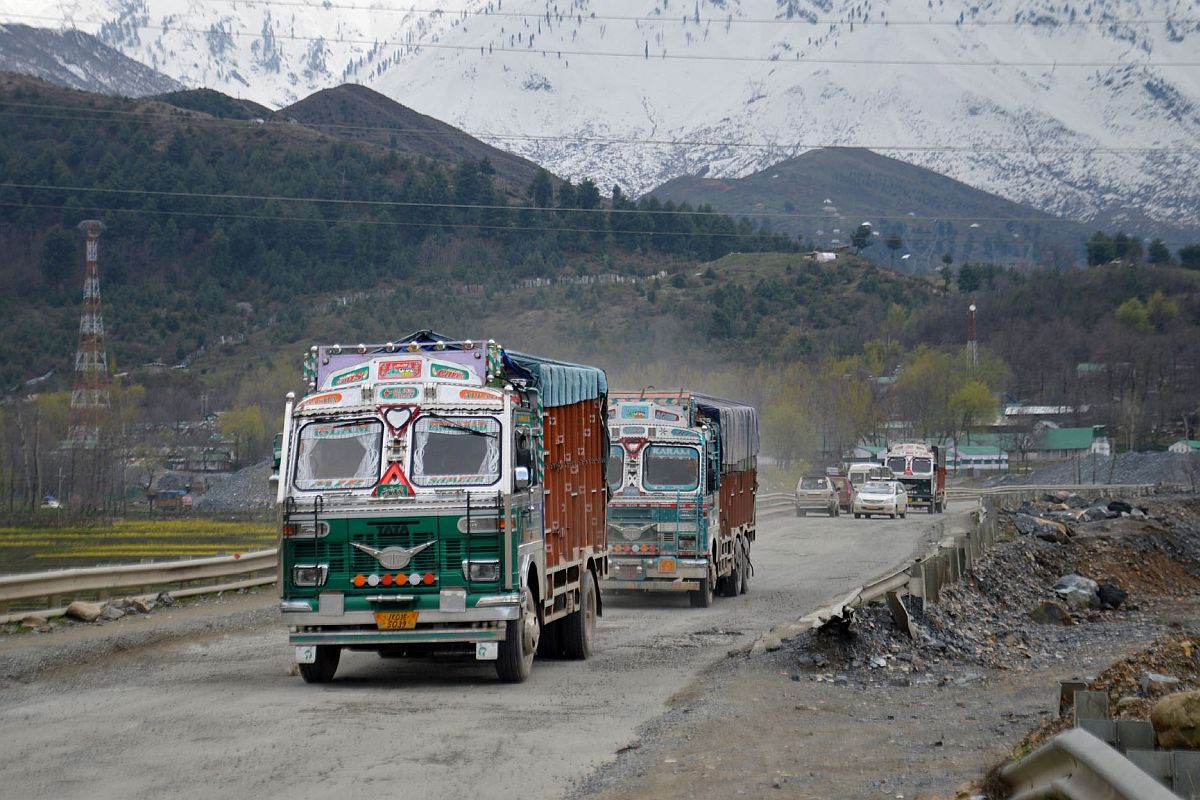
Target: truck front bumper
(648,575)
(360,628)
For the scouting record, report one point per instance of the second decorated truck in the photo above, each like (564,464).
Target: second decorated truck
(442,496)
(682,472)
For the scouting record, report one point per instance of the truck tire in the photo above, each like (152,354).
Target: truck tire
(702,597)
(744,570)
(932,506)
(800,512)
(521,638)
(579,628)
(729,584)
(857,515)
(322,670)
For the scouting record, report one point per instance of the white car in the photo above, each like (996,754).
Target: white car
(876,498)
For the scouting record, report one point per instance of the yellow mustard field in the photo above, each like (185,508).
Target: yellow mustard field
(128,541)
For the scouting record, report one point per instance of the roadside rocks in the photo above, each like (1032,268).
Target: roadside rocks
(84,612)
(1051,613)
(1176,720)
(1078,592)
(1025,603)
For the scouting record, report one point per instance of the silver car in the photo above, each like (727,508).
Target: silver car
(876,498)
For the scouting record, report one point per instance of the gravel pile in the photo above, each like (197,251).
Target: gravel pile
(1136,468)
(989,619)
(244,490)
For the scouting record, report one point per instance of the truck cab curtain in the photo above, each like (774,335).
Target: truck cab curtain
(561,383)
(739,427)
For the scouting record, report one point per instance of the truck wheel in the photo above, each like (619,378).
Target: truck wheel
(941,506)
(322,670)
(932,506)
(744,570)
(730,583)
(579,627)
(702,597)
(857,515)
(521,637)
(800,512)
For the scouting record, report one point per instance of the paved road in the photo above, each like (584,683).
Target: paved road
(224,715)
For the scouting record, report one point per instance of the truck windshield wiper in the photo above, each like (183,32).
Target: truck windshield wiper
(458,427)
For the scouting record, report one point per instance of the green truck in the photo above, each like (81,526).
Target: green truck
(439,496)
(683,475)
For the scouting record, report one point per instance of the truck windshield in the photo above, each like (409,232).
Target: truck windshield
(338,455)
(896,464)
(616,466)
(922,466)
(455,451)
(670,467)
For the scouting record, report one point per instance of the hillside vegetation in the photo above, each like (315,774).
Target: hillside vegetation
(231,246)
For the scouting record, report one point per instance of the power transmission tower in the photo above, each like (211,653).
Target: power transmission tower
(90,399)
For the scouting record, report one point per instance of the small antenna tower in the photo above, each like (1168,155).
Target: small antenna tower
(89,400)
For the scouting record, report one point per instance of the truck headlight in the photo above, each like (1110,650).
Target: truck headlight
(484,570)
(309,574)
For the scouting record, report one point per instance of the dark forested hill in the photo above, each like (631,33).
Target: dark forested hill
(219,226)
(357,113)
(823,195)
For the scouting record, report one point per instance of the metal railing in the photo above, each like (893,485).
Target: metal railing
(47,594)
(1075,765)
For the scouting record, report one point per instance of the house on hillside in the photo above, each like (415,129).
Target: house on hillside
(977,457)
(866,452)
(1058,444)
(1186,446)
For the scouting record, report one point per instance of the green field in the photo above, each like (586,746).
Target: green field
(28,549)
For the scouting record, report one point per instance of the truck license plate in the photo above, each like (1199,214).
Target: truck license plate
(396,620)
(666,565)
(487,651)
(306,654)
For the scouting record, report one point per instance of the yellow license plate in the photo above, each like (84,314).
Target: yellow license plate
(666,565)
(396,620)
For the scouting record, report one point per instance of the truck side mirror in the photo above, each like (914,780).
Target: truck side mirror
(521,477)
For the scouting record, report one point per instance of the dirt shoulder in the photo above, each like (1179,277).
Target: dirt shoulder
(870,712)
(64,644)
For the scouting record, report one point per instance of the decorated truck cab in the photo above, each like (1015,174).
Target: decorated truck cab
(442,496)
(682,472)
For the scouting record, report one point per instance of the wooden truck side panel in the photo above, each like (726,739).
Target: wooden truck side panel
(576,495)
(737,500)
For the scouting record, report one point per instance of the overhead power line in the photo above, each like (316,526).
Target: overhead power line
(675,19)
(498,207)
(145,116)
(646,55)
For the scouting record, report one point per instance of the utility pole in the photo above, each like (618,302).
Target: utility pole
(972,340)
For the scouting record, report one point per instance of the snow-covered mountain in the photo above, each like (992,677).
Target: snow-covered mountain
(77,60)
(1086,109)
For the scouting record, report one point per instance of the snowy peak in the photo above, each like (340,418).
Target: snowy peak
(77,60)
(1081,110)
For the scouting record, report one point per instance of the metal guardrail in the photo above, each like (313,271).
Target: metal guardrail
(1075,765)
(181,578)
(773,502)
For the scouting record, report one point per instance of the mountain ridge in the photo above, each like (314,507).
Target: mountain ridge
(1075,111)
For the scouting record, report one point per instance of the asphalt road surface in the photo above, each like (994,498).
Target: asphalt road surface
(223,713)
